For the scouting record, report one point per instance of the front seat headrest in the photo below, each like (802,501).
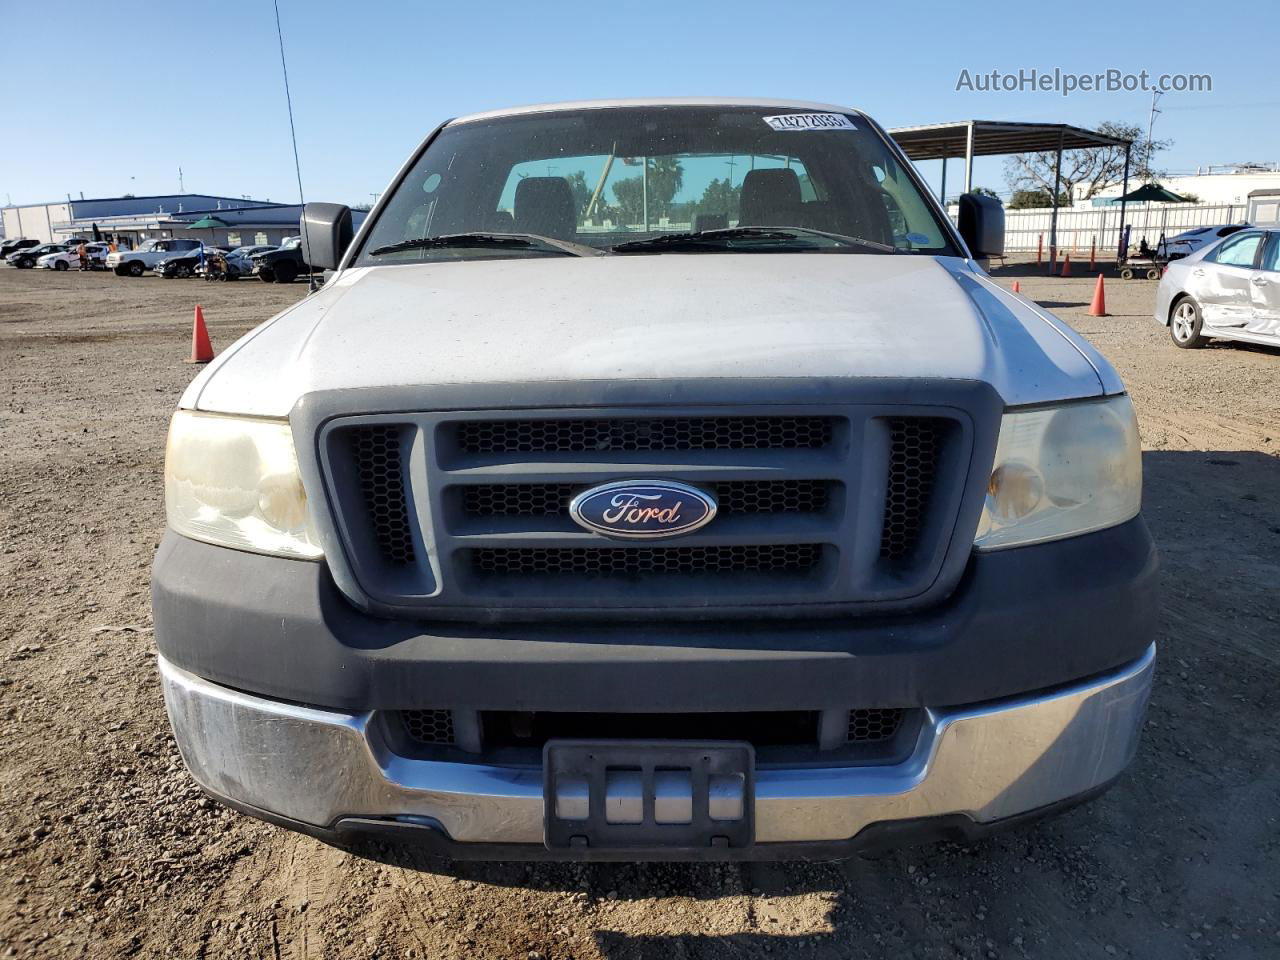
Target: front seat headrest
(769,198)
(545,205)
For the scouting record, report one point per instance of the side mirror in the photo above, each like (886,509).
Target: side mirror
(326,234)
(982,224)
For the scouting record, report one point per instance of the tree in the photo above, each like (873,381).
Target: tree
(630,196)
(720,196)
(985,192)
(666,176)
(581,192)
(1033,199)
(1086,172)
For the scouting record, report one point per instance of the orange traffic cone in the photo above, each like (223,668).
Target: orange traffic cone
(201,348)
(1066,265)
(1099,306)
(1017,287)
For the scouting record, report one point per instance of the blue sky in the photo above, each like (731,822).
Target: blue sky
(178,87)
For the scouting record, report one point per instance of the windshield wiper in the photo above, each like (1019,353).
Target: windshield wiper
(719,239)
(501,241)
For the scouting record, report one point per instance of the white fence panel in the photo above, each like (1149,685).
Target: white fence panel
(1078,229)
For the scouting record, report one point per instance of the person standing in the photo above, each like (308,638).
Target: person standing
(82,251)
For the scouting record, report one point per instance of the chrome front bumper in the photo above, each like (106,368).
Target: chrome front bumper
(991,762)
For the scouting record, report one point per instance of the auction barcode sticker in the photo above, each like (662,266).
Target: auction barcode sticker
(810,121)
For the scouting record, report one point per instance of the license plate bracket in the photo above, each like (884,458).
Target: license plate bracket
(611,795)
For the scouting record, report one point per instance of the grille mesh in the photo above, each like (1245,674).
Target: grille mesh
(429,726)
(913,465)
(378,464)
(873,725)
(552,499)
(644,434)
(614,561)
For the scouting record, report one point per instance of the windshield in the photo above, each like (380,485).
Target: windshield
(614,176)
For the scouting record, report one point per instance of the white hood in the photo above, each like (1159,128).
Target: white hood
(653,317)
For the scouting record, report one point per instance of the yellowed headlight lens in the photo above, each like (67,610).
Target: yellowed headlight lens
(234,481)
(1062,471)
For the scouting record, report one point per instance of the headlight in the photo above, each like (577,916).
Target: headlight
(1062,471)
(235,482)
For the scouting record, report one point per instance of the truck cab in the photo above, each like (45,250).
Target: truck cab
(134,263)
(658,479)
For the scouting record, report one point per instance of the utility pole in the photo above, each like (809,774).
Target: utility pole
(1151,122)
(181,188)
(644,190)
(375,198)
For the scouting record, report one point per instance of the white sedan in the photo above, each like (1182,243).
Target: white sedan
(66,259)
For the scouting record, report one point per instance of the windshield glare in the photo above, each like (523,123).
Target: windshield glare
(602,177)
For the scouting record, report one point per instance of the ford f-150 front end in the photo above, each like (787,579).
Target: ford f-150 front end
(614,502)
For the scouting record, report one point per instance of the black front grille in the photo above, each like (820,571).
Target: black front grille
(429,726)
(552,499)
(873,725)
(481,521)
(622,561)
(915,445)
(583,435)
(381,473)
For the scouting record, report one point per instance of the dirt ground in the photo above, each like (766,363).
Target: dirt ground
(108,850)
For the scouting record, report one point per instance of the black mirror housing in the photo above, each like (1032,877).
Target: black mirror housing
(982,224)
(326,234)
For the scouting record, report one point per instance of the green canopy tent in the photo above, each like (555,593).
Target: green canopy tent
(210,224)
(1150,193)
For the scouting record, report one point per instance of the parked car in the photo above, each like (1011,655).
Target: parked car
(528,537)
(184,264)
(70,257)
(26,258)
(1228,291)
(1189,241)
(240,260)
(283,264)
(135,263)
(14,244)
(251,250)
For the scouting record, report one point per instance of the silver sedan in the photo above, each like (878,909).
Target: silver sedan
(1229,290)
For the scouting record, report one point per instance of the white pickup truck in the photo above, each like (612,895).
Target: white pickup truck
(656,479)
(134,263)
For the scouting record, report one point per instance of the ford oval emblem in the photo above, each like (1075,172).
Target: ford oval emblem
(643,509)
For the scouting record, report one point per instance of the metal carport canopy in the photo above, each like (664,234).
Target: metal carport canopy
(984,138)
(938,141)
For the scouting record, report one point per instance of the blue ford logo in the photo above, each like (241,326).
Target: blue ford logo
(643,509)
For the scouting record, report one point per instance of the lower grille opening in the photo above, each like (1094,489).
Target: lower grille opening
(874,725)
(433,727)
(780,737)
(624,561)
(501,728)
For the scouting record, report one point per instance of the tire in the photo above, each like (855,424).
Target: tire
(1185,323)
(1126,274)
(1153,274)
(60,265)
(120,271)
(182,271)
(25,264)
(266,276)
(286,272)
(135,268)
